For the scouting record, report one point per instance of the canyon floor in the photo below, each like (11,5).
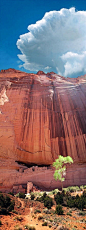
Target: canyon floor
(26,214)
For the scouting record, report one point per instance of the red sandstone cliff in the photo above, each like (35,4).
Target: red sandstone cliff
(41,116)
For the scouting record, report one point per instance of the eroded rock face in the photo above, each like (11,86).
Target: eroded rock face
(41,116)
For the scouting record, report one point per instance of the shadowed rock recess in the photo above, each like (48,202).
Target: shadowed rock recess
(41,116)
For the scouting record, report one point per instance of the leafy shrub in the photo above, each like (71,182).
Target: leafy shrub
(78,202)
(73,188)
(6,205)
(71,202)
(48,202)
(37,211)
(44,224)
(11,206)
(32,228)
(42,198)
(11,193)
(53,192)
(17,195)
(59,210)
(84,193)
(82,213)
(84,186)
(32,196)
(21,195)
(14,211)
(3,211)
(58,198)
(69,214)
(81,187)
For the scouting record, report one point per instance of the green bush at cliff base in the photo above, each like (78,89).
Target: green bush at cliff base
(71,201)
(58,198)
(48,202)
(32,196)
(77,201)
(20,195)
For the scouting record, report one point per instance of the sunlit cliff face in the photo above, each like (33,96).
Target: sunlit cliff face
(41,116)
(56,43)
(45,116)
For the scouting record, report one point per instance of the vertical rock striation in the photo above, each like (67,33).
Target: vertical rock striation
(41,116)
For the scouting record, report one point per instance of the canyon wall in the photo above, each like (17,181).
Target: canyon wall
(41,116)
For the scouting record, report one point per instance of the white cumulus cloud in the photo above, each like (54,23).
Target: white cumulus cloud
(56,43)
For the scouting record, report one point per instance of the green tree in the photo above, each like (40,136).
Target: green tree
(60,168)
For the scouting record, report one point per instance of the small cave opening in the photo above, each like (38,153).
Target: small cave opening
(33,165)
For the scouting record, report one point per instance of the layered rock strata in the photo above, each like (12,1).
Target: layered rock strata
(41,116)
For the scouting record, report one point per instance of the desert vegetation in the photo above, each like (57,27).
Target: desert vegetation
(54,209)
(6,204)
(60,168)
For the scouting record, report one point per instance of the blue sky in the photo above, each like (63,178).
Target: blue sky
(16,16)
